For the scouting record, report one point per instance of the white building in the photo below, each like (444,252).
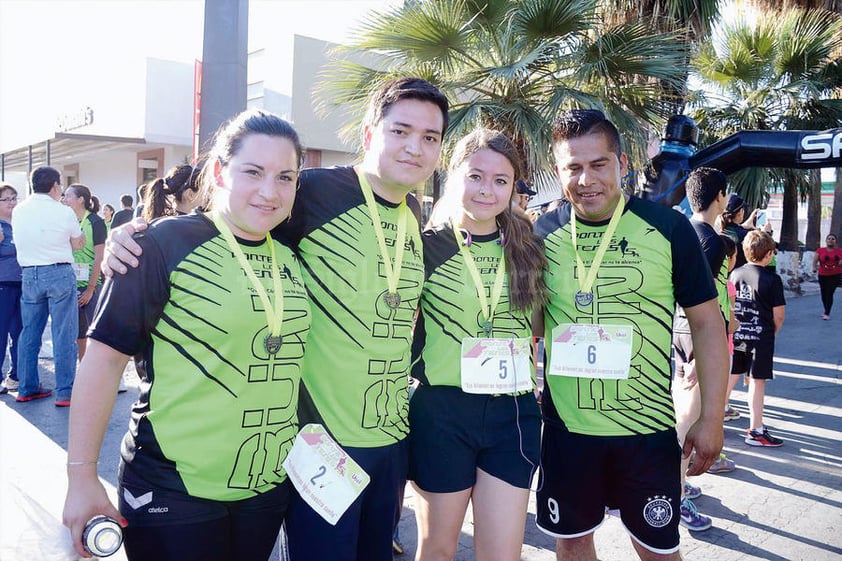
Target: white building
(141,125)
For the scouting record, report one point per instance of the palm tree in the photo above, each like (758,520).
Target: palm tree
(778,74)
(513,65)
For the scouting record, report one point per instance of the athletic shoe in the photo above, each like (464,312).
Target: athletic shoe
(722,465)
(3,389)
(690,517)
(825,317)
(11,385)
(731,414)
(40,394)
(63,402)
(691,491)
(122,387)
(757,438)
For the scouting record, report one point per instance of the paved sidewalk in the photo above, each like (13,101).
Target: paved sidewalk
(782,504)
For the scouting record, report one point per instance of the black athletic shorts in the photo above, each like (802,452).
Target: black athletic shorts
(754,358)
(583,475)
(452,433)
(86,312)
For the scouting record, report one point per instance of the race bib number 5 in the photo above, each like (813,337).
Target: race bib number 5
(591,351)
(496,366)
(323,474)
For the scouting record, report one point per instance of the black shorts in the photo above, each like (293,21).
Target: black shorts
(86,312)
(754,358)
(682,344)
(583,475)
(452,433)
(169,525)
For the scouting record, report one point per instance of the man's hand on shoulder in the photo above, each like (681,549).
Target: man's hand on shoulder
(121,251)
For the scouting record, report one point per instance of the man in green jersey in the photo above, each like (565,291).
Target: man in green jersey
(617,267)
(357,234)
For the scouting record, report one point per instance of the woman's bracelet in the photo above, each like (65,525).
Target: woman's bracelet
(74,464)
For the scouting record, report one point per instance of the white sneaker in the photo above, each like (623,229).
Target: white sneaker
(11,385)
(122,388)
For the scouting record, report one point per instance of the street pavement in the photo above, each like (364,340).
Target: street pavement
(781,504)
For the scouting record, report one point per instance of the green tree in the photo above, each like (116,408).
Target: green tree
(513,65)
(776,74)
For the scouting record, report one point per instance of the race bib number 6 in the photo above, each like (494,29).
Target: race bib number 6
(591,351)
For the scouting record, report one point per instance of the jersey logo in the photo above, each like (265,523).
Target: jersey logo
(657,512)
(136,502)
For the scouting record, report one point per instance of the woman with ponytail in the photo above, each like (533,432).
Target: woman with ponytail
(174,194)
(87,260)
(474,420)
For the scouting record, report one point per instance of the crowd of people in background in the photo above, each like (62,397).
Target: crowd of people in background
(258,298)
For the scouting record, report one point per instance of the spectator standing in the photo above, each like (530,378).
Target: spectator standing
(733,223)
(124,214)
(10,288)
(760,308)
(706,192)
(107,214)
(46,234)
(828,263)
(87,260)
(171,195)
(609,437)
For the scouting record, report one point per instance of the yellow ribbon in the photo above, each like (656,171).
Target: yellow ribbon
(487,308)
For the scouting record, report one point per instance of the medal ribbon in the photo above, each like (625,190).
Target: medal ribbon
(496,290)
(586,279)
(274,314)
(393,274)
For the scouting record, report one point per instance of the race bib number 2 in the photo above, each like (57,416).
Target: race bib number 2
(591,351)
(323,474)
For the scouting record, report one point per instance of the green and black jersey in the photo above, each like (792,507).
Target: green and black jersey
(450,306)
(95,231)
(355,373)
(216,414)
(653,261)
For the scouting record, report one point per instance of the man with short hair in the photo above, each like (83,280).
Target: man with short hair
(706,192)
(124,214)
(46,234)
(609,437)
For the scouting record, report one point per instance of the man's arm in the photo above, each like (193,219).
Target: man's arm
(711,351)
(77,243)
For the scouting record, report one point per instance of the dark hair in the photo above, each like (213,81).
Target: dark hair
(730,244)
(43,178)
(703,186)
(756,245)
(157,201)
(91,202)
(581,122)
(399,89)
(107,206)
(141,192)
(126,200)
(229,139)
(732,209)
(522,249)
(6,187)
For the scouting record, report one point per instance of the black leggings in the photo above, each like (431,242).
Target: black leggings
(828,285)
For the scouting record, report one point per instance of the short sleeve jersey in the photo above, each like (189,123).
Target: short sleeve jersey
(356,370)
(714,250)
(652,262)
(759,290)
(216,414)
(95,233)
(450,306)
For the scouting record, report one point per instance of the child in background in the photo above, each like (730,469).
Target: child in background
(760,306)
